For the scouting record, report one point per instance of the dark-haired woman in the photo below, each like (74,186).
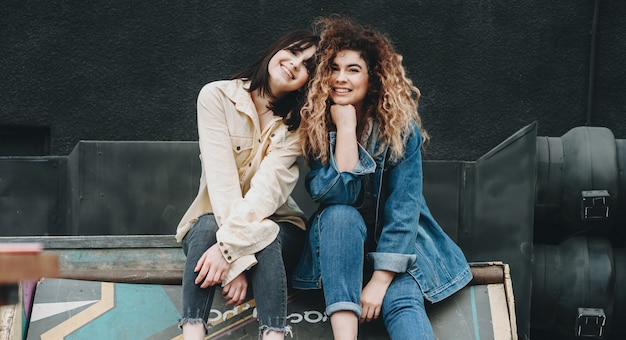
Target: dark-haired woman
(243,226)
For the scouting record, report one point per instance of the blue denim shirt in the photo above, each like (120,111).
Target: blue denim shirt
(408,237)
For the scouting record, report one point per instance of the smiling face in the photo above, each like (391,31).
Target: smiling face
(288,69)
(349,79)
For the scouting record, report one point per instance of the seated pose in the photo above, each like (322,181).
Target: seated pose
(362,137)
(243,225)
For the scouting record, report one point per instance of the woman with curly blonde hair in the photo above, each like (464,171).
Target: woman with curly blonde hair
(362,137)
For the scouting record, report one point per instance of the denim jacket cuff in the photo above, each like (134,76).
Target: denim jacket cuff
(365,165)
(397,263)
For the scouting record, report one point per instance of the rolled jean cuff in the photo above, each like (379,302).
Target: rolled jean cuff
(183,321)
(344,305)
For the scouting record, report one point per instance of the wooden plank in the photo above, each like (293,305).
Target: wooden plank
(173,277)
(17,267)
(154,259)
(510,299)
(99,242)
(10,322)
(499,312)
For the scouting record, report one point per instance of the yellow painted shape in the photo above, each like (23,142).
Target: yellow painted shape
(106,303)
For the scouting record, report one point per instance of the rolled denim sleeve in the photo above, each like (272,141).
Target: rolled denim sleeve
(327,185)
(403,205)
(393,262)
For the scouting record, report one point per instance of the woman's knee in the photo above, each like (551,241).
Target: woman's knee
(201,235)
(341,216)
(340,211)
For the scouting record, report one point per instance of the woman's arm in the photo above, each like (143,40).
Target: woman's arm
(216,150)
(327,184)
(247,228)
(243,219)
(346,148)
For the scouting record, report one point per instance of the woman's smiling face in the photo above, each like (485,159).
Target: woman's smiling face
(349,79)
(288,70)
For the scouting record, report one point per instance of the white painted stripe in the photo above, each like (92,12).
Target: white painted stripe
(106,303)
(45,310)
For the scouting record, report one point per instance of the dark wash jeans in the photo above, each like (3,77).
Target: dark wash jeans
(268,277)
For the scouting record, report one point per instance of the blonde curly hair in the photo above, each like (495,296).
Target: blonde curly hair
(391,100)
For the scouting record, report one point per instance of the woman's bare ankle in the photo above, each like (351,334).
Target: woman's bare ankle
(345,325)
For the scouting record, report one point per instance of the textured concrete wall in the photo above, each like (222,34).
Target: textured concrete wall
(119,70)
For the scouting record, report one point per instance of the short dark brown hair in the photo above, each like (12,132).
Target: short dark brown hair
(287,107)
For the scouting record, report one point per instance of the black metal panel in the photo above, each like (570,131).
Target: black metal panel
(498,209)
(134,187)
(442,183)
(32,198)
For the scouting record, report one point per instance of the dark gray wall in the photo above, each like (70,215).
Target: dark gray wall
(119,70)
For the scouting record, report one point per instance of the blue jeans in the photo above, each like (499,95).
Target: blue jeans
(268,276)
(343,241)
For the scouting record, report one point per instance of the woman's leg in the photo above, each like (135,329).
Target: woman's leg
(403,310)
(269,280)
(196,301)
(341,248)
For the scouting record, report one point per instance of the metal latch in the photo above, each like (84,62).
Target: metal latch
(590,322)
(595,205)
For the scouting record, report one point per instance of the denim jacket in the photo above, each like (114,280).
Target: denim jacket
(408,237)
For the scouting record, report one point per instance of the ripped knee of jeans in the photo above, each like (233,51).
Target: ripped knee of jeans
(193,321)
(263,330)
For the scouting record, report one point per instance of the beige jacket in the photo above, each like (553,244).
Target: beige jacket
(247,174)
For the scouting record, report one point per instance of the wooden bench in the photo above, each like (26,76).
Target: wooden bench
(116,283)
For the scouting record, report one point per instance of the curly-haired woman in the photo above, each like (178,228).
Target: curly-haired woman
(362,136)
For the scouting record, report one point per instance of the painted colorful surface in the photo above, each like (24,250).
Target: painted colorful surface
(75,309)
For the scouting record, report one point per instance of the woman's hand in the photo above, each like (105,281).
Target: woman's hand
(235,291)
(346,149)
(211,267)
(344,117)
(373,294)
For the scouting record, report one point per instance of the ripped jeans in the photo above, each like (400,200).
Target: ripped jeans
(268,276)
